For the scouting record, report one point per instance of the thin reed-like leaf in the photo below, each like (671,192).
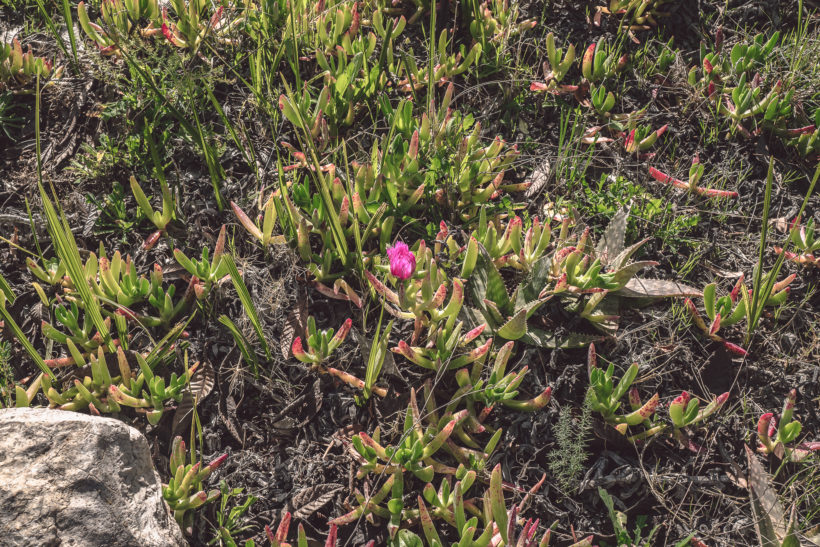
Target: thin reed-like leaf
(247,303)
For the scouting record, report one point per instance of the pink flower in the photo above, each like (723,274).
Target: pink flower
(402,261)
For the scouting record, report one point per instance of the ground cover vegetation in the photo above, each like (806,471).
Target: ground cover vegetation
(426,273)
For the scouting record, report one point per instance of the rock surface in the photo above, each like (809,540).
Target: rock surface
(69,479)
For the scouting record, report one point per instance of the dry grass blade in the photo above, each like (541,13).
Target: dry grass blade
(770,519)
(294,326)
(656,288)
(538,178)
(309,500)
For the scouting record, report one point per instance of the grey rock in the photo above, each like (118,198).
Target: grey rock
(70,479)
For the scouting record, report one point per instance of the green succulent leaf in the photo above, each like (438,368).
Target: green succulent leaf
(486,282)
(516,327)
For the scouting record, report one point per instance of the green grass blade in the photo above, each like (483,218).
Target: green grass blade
(339,239)
(52,28)
(66,248)
(69,23)
(247,151)
(247,303)
(378,352)
(5,288)
(241,342)
(63,239)
(8,295)
(756,288)
(214,168)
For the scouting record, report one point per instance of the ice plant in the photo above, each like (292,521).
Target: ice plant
(160,219)
(67,314)
(601,61)
(604,395)
(161,297)
(499,386)
(446,348)
(746,101)
(729,309)
(774,438)
(52,271)
(184,493)
(805,139)
(717,68)
(635,14)
(602,101)
(449,65)
(193,24)
(278,538)
(513,247)
(208,269)
(493,23)
(103,392)
(414,451)
(491,523)
(641,138)
(695,174)
(119,18)
(479,520)
(116,279)
(684,412)
(747,57)
(17,67)
(321,344)
(264,233)
(402,260)
(423,297)
(803,239)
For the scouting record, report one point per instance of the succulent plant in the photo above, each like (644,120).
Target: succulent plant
(277,539)
(505,315)
(320,345)
(642,138)
(556,67)
(684,412)
(102,392)
(601,61)
(635,14)
(805,139)
(207,270)
(414,453)
(18,68)
(695,174)
(493,23)
(774,438)
(730,309)
(499,386)
(585,279)
(447,65)
(746,101)
(802,237)
(197,20)
(184,493)
(513,247)
(604,396)
(119,18)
